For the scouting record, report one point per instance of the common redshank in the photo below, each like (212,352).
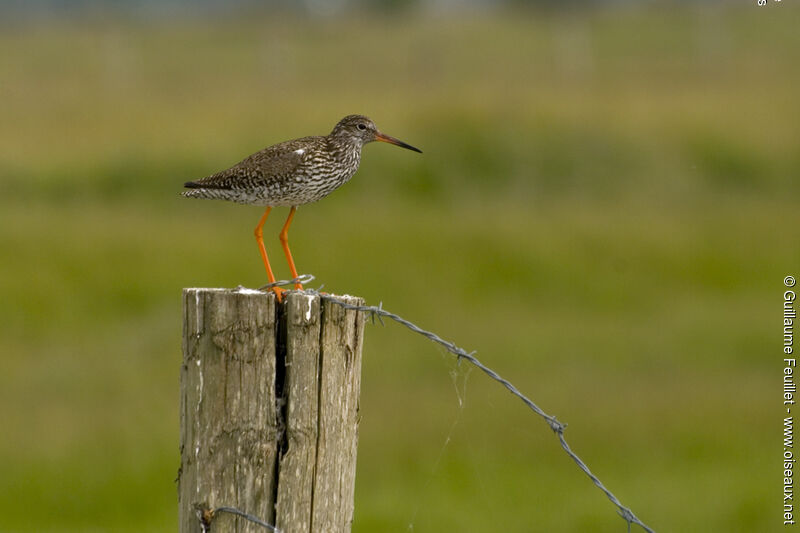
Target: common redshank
(293,173)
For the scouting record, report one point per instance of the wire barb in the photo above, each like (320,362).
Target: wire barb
(557,427)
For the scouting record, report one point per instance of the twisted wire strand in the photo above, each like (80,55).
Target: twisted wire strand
(246,516)
(302,278)
(206,515)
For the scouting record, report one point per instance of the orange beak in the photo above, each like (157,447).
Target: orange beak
(391,140)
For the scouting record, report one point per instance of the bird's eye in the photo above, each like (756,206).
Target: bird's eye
(362,127)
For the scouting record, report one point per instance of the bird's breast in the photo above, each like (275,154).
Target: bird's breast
(320,174)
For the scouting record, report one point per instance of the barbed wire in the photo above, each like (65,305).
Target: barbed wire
(302,278)
(551,420)
(206,515)
(557,427)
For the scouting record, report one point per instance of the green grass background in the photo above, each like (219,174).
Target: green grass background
(605,210)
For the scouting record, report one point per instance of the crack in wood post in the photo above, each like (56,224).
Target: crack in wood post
(269,410)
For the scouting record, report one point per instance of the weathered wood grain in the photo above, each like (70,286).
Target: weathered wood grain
(340,386)
(301,388)
(229,415)
(269,410)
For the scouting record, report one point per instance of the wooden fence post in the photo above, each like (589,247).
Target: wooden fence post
(269,410)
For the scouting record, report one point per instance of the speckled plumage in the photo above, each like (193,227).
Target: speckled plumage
(294,172)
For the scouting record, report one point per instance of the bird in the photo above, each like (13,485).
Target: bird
(293,173)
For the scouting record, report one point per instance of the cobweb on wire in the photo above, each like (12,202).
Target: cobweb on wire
(459,376)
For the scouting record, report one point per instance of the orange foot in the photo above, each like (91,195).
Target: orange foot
(278,293)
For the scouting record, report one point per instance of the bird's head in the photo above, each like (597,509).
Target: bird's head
(360,129)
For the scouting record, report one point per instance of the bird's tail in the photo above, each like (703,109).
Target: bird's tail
(199,193)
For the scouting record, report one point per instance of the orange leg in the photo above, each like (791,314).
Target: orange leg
(259,233)
(285,244)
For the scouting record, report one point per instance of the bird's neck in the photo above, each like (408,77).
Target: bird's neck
(346,146)
(347,150)
(344,143)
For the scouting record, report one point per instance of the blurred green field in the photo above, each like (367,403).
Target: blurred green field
(605,209)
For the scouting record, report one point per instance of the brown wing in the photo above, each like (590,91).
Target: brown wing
(273,164)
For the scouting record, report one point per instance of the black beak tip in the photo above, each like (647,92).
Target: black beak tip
(409,147)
